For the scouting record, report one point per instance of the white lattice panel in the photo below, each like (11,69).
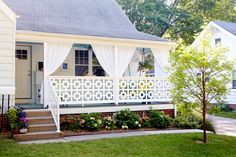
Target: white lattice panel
(86,90)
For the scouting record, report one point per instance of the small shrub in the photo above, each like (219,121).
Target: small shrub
(108,123)
(192,121)
(158,119)
(70,122)
(125,119)
(189,121)
(91,122)
(225,107)
(146,122)
(12,116)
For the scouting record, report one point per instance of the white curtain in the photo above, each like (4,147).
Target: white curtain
(54,55)
(161,56)
(114,59)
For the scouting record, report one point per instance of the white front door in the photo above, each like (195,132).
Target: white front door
(23,72)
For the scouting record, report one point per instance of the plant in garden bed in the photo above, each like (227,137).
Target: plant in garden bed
(126,119)
(192,121)
(108,123)
(23,123)
(91,122)
(70,122)
(12,116)
(158,119)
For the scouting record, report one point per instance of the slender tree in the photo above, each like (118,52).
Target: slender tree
(200,76)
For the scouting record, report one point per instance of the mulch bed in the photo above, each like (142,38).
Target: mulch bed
(67,133)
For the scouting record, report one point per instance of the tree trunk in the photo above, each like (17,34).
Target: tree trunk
(204,107)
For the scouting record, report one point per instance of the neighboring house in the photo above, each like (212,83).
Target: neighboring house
(80,49)
(224,34)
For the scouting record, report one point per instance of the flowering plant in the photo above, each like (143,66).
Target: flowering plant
(108,123)
(23,123)
(91,122)
(70,122)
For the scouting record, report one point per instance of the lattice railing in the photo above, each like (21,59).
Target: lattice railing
(94,90)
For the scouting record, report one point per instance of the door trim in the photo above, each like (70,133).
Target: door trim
(31,77)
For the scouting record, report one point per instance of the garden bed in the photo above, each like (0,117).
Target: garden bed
(103,131)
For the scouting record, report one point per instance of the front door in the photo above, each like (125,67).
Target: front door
(23,72)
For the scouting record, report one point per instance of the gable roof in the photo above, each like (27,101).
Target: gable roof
(103,18)
(228,26)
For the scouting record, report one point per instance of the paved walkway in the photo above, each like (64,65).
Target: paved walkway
(224,126)
(112,135)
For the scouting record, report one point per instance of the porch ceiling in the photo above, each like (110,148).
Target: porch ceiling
(41,37)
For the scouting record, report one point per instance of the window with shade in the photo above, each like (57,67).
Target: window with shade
(217,41)
(234,79)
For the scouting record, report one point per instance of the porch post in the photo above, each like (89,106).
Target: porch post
(116,78)
(44,74)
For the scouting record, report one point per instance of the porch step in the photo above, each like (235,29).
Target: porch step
(42,127)
(40,120)
(38,136)
(38,113)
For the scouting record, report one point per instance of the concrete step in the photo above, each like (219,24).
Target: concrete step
(38,113)
(38,136)
(40,120)
(41,127)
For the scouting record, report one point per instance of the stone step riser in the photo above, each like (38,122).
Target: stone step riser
(28,137)
(40,121)
(42,128)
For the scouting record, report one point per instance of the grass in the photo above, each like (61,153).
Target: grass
(166,145)
(226,114)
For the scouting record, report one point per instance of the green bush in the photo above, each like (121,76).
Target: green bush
(189,121)
(70,122)
(12,116)
(91,122)
(225,107)
(158,119)
(108,123)
(126,119)
(192,121)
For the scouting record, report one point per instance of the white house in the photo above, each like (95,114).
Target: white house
(81,50)
(223,33)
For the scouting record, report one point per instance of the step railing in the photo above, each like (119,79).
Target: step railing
(98,90)
(53,103)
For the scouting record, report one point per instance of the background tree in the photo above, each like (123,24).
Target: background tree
(199,76)
(177,19)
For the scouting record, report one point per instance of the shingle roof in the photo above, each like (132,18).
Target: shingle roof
(102,18)
(229,26)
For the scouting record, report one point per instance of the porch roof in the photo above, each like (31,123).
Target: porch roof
(101,18)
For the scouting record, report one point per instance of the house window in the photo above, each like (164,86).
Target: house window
(217,41)
(234,79)
(22,54)
(81,62)
(86,64)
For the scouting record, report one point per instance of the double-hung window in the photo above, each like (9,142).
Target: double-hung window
(86,64)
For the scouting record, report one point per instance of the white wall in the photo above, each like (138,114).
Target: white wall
(7,51)
(7,57)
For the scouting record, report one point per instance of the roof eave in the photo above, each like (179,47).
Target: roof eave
(32,36)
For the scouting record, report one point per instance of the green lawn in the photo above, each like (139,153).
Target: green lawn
(227,114)
(172,145)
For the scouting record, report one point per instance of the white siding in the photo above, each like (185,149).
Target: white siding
(7,51)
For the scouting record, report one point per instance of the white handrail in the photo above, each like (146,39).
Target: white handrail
(54,104)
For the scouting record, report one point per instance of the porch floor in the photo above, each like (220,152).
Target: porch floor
(30,106)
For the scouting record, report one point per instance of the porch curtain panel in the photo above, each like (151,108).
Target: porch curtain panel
(161,55)
(114,59)
(54,55)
